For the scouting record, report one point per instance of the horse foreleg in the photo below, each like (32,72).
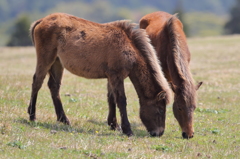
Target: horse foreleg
(54,84)
(112,119)
(120,98)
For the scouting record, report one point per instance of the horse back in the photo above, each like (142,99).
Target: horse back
(85,48)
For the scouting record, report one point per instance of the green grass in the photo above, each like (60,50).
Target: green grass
(215,61)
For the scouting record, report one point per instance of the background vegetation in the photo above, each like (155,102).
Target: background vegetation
(215,61)
(202,18)
(233,25)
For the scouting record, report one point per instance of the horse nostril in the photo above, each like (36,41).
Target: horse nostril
(161,133)
(184,135)
(153,134)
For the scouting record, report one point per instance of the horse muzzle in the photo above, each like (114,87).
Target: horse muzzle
(157,133)
(187,136)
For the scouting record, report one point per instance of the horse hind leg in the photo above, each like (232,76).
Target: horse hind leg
(36,85)
(112,120)
(45,59)
(54,83)
(38,78)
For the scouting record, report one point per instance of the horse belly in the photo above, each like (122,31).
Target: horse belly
(83,67)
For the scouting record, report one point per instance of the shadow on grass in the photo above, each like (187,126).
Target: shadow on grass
(55,127)
(135,127)
(50,126)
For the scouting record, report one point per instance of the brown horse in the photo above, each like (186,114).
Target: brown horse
(112,50)
(168,38)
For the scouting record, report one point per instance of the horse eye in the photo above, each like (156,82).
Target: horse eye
(194,107)
(159,112)
(180,109)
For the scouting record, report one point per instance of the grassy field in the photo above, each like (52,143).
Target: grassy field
(215,61)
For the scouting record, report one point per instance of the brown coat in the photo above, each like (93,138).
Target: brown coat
(112,50)
(168,38)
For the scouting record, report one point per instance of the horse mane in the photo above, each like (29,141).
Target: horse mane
(141,41)
(178,50)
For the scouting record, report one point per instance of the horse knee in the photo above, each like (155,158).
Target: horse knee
(52,84)
(37,82)
(122,101)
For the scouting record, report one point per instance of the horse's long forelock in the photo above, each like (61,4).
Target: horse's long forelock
(180,62)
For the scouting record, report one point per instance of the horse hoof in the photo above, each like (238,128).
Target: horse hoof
(64,121)
(67,122)
(32,118)
(129,133)
(185,136)
(115,127)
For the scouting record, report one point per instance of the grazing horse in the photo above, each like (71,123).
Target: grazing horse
(112,50)
(167,36)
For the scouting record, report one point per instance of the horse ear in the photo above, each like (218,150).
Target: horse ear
(143,23)
(161,95)
(174,87)
(198,85)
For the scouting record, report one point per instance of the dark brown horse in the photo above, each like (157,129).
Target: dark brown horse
(112,50)
(167,36)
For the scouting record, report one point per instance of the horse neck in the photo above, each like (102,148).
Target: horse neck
(181,76)
(145,81)
(180,73)
(178,57)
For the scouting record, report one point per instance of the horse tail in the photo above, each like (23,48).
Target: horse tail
(178,47)
(33,25)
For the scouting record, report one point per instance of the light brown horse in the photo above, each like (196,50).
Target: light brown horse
(168,38)
(112,50)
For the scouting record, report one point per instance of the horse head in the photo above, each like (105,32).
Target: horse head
(183,109)
(153,114)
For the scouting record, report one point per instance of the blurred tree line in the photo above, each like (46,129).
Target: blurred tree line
(20,34)
(233,25)
(200,18)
